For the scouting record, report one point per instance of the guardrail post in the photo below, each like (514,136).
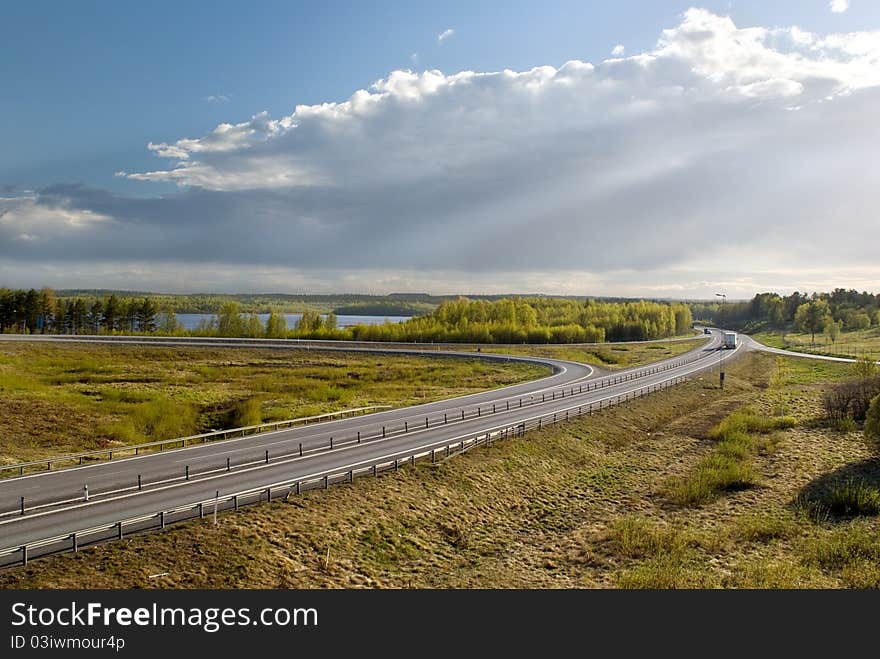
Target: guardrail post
(298,487)
(405,426)
(49,466)
(201,510)
(22,505)
(331,441)
(426,422)
(235,501)
(140,483)
(396,465)
(447,450)
(539,423)
(432,455)
(493,408)
(187,472)
(300,449)
(162,519)
(268,494)
(111,455)
(119,526)
(374,470)
(479,410)
(351,475)
(24,556)
(73,543)
(326,482)
(462,415)
(229,466)
(383,434)
(359,436)
(508,405)
(520,402)
(444,418)
(267,457)
(542,397)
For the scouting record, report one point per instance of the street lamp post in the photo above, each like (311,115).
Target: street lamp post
(721,350)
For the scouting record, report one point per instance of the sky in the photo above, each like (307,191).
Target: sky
(633,148)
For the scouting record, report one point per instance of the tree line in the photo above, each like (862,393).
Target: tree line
(32,311)
(828,313)
(505,320)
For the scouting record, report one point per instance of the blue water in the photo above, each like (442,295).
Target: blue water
(191,320)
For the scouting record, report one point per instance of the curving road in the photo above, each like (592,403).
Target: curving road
(56,504)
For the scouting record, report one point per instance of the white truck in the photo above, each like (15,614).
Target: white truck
(729,342)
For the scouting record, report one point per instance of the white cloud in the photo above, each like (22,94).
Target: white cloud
(443,36)
(23,219)
(680,165)
(618,50)
(217,98)
(838,6)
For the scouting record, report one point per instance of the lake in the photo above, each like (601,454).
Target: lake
(191,321)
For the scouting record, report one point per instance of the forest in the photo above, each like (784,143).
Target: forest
(839,310)
(504,320)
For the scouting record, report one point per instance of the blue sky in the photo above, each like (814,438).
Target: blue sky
(87,85)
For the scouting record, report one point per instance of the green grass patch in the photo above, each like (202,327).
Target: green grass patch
(728,467)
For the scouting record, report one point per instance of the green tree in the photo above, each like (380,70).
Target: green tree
(832,330)
(146,315)
(276,325)
(112,312)
(811,317)
(254,328)
(865,368)
(168,323)
(229,320)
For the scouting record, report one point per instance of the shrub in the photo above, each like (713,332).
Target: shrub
(247,413)
(872,422)
(854,498)
(850,399)
(164,419)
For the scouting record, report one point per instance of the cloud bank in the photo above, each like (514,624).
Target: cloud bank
(723,156)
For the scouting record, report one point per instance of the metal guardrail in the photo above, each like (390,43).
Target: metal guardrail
(406,426)
(80,538)
(181,442)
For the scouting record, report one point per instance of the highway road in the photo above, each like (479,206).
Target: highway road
(56,503)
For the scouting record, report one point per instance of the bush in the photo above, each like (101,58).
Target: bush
(850,399)
(854,498)
(872,422)
(247,413)
(164,419)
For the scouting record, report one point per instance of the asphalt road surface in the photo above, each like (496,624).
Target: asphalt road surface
(56,502)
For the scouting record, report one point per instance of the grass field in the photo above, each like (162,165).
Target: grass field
(57,399)
(607,355)
(849,344)
(590,503)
